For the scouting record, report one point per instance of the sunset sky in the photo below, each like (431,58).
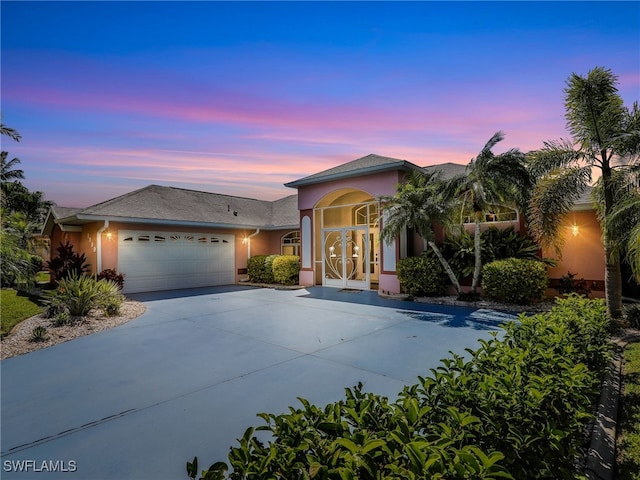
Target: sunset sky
(241,97)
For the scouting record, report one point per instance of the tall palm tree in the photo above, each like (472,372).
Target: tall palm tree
(490,180)
(418,204)
(9,132)
(606,136)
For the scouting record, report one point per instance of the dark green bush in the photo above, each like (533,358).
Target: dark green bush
(515,280)
(633,315)
(570,284)
(421,276)
(286,269)
(256,269)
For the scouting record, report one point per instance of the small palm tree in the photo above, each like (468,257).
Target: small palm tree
(606,137)
(8,172)
(418,204)
(490,180)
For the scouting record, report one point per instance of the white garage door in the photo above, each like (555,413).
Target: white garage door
(168,260)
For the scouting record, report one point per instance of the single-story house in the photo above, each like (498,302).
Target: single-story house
(164,238)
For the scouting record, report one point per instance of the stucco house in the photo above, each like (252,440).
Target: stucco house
(164,238)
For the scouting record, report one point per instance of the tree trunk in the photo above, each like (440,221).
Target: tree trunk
(446,266)
(613,274)
(478,254)
(613,284)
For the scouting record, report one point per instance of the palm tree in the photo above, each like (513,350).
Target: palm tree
(606,136)
(7,171)
(9,132)
(418,204)
(489,181)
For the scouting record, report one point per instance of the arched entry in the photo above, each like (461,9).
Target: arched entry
(347,247)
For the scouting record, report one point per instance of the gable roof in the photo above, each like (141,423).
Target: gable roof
(448,170)
(178,206)
(366,165)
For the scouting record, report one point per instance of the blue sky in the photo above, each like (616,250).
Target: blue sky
(241,97)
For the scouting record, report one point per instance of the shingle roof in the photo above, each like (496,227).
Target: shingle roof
(170,204)
(448,170)
(362,166)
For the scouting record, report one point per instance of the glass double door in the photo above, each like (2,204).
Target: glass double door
(346,257)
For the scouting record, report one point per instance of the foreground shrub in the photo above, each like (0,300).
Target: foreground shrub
(286,269)
(517,408)
(76,296)
(515,280)
(257,269)
(111,274)
(421,276)
(633,315)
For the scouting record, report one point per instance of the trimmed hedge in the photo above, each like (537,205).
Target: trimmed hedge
(515,280)
(281,269)
(257,269)
(517,409)
(421,276)
(286,269)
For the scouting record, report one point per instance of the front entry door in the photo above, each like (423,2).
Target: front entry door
(346,257)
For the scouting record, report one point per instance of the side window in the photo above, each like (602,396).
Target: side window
(290,244)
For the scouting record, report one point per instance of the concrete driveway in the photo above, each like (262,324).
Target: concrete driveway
(188,377)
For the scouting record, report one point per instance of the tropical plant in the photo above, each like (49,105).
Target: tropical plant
(489,180)
(111,274)
(68,263)
(606,137)
(418,204)
(38,334)
(78,295)
(570,284)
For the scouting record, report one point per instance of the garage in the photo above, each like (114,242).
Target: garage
(155,260)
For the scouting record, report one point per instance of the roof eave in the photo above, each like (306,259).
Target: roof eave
(82,219)
(401,165)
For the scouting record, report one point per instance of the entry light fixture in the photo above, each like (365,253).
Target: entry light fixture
(356,249)
(108,234)
(332,251)
(575,230)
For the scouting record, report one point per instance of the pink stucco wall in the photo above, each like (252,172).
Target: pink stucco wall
(375,185)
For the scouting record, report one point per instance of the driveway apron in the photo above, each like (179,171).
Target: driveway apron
(188,377)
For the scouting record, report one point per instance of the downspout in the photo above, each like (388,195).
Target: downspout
(99,246)
(249,243)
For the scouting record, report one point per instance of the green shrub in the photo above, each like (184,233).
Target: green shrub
(256,269)
(517,408)
(570,284)
(421,276)
(78,295)
(111,274)
(633,315)
(268,268)
(109,299)
(286,269)
(515,280)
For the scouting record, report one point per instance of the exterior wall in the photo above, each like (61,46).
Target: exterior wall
(266,242)
(375,185)
(582,254)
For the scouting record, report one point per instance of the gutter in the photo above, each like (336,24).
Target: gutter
(99,246)
(249,243)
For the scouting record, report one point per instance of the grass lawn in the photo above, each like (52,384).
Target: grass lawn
(14,309)
(629,419)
